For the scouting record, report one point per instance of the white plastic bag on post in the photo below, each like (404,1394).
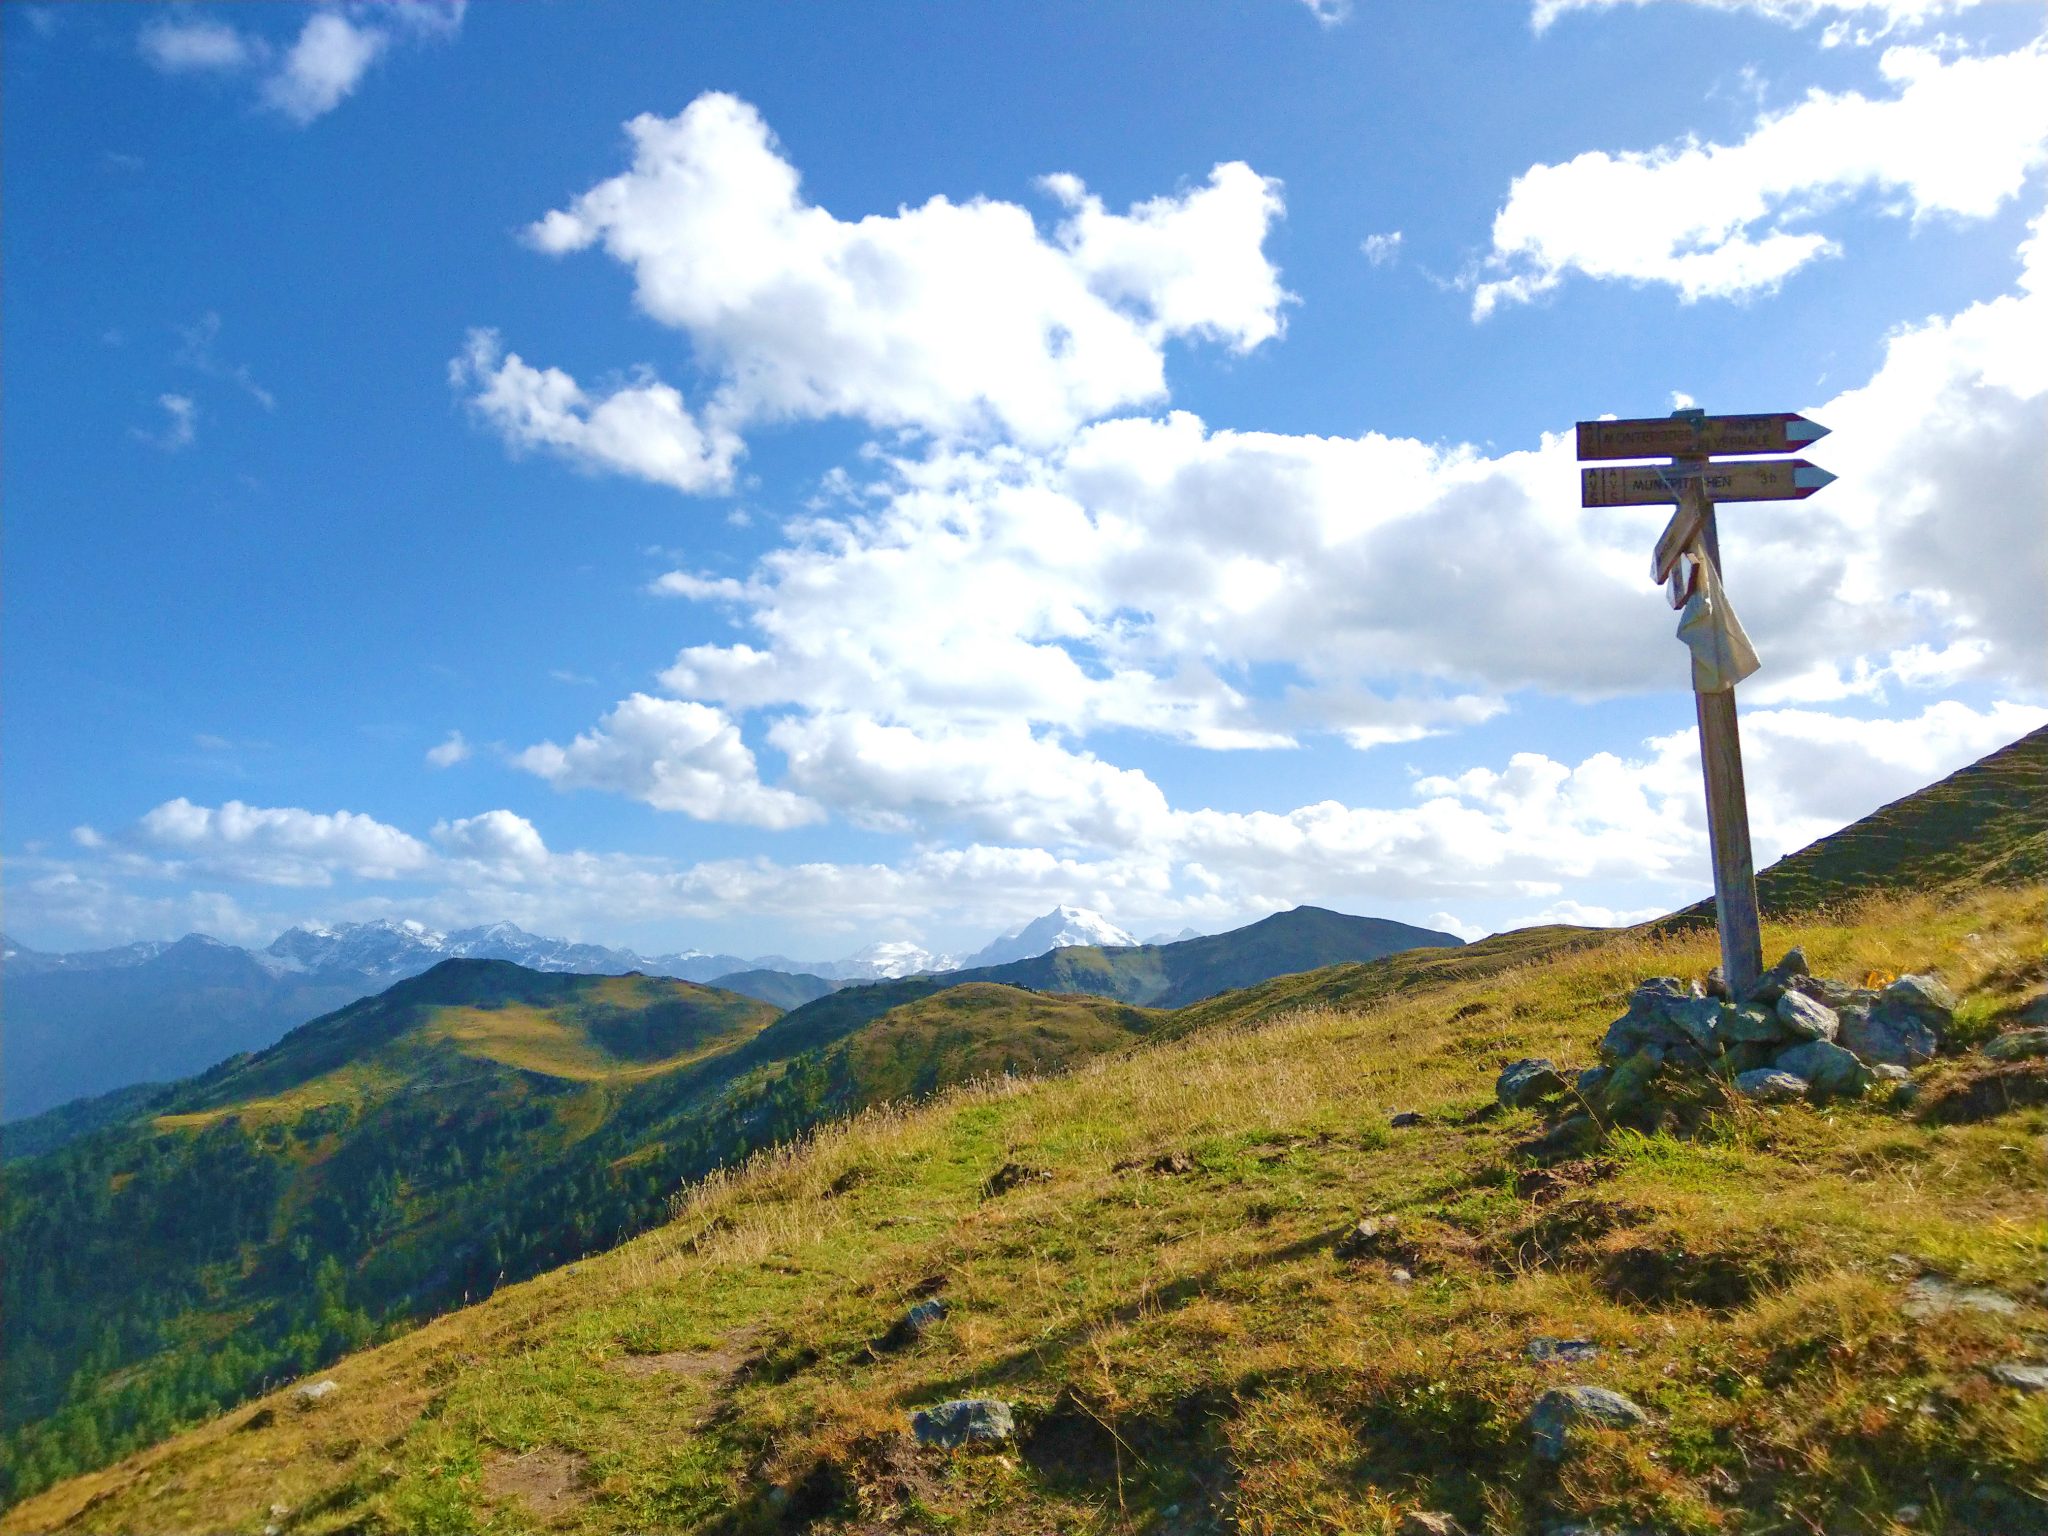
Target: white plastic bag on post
(1721,653)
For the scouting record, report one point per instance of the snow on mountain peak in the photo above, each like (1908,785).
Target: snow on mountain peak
(890,958)
(1060,928)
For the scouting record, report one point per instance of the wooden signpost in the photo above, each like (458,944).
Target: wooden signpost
(1644,485)
(1692,438)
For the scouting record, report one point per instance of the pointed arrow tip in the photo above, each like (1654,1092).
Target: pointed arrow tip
(1811,477)
(1799,431)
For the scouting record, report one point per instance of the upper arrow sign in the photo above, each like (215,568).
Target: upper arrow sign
(1675,436)
(1647,484)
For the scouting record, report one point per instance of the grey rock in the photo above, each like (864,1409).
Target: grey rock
(1631,1084)
(2035,1011)
(1888,1072)
(1699,1019)
(1931,1296)
(1906,1095)
(1768,1085)
(2021,1375)
(1589,1082)
(1528,1081)
(1905,1026)
(1877,1034)
(1748,1055)
(1760,1025)
(1830,1071)
(1772,984)
(1562,1351)
(1921,997)
(1404,1117)
(1560,1410)
(924,1314)
(315,1393)
(1716,985)
(1660,989)
(1830,993)
(964,1421)
(1651,1018)
(2018,1045)
(1805,1019)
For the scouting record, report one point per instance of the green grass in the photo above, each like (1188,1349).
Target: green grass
(1186,1351)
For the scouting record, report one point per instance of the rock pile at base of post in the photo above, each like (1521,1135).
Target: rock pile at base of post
(1792,1036)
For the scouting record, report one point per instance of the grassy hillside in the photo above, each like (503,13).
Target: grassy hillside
(1147,975)
(475,1124)
(1984,823)
(1185,1347)
(471,1124)
(785,989)
(983,1030)
(1173,975)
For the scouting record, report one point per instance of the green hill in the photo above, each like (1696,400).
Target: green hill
(980,1029)
(1147,975)
(785,989)
(382,1162)
(1173,975)
(1806,1305)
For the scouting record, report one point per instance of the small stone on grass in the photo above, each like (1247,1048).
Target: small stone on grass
(964,1421)
(1561,1409)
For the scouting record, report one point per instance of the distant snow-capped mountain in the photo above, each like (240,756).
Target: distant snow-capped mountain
(1060,928)
(20,960)
(391,949)
(888,959)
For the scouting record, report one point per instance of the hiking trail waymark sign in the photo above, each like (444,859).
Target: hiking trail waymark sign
(1687,559)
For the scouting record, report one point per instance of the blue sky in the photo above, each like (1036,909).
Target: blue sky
(941,461)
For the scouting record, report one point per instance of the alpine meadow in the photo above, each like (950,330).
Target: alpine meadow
(1277,766)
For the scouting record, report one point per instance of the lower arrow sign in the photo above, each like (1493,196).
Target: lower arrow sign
(1638,485)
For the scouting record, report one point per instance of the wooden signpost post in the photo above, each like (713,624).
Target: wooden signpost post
(1692,439)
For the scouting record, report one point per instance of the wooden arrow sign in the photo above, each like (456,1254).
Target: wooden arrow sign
(1659,437)
(1642,485)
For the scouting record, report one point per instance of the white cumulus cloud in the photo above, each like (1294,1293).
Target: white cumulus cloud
(642,429)
(321,67)
(324,66)
(500,838)
(278,845)
(674,756)
(1850,20)
(453,750)
(953,319)
(1956,136)
(187,44)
